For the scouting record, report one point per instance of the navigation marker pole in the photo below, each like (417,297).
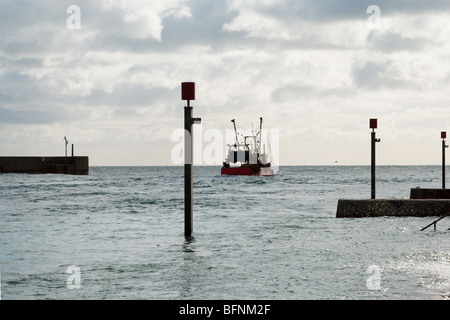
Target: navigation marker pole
(188,94)
(373,125)
(443,136)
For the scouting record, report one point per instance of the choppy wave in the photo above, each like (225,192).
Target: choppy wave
(254,237)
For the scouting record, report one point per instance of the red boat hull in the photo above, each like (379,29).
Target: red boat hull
(247,171)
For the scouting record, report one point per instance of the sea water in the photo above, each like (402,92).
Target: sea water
(118,233)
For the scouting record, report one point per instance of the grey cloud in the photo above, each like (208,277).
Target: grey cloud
(36,28)
(24,92)
(29,116)
(20,63)
(326,10)
(297,92)
(316,10)
(18,14)
(126,95)
(29,27)
(373,76)
(16,88)
(390,42)
(203,28)
(304,22)
(46,22)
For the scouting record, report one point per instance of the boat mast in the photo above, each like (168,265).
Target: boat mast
(235,132)
(260,133)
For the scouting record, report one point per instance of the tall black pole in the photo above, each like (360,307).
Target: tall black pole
(373,124)
(188,94)
(373,165)
(188,171)
(443,164)
(443,136)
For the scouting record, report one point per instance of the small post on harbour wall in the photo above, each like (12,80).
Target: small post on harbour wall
(65,144)
(443,136)
(373,124)
(188,94)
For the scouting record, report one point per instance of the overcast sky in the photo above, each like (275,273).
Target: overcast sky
(315,70)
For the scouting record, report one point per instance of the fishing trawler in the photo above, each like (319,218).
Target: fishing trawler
(245,157)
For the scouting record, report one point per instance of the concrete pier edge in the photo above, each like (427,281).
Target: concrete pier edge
(40,165)
(360,208)
(427,193)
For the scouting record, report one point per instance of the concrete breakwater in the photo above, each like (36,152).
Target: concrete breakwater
(419,193)
(422,203)
(360,208)
(36,165)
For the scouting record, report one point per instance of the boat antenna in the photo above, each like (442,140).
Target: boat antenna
(235,132)
(260,132)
